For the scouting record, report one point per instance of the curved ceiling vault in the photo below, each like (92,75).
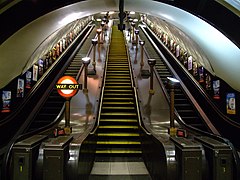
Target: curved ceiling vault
(222,54)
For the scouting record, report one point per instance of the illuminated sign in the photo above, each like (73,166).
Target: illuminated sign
(67,86)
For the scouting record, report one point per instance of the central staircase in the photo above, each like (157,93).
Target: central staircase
(118,137)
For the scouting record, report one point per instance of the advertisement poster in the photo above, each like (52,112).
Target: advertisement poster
(64,43)
(195,68)
(208,82)
(35,72)
(216,89)
(20,88)
(6,101)
(171,44)
(28,79)
(46,64)
(177,51)
(201,74)
(190,60)
(61,46)
(40,67)
(231,106)
(58,50)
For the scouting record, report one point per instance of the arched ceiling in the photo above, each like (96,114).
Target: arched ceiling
(222,54)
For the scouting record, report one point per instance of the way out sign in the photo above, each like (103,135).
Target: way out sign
(67,86)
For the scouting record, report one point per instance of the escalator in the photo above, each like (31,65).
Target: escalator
(118,137)
(183,105)
(55,103)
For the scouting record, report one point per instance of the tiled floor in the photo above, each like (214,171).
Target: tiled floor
(119,168)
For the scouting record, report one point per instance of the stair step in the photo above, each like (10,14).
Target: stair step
(120,114)
(118,120)
(123,151)
(119,134)
(118,142)
(118,127)
(118,108)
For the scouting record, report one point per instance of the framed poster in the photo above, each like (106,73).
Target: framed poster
(171,45)
(216,89)
(50,61)
(46,63)
(189,62)
(64,43)
(6,101)
(20,88)
(28,79)
(35,72)
(177,51)
(54,53)
(201,74)
(57,50)
(208,81)
(231,103)
(195,68)
(61,46)
(185,59)
(40,67)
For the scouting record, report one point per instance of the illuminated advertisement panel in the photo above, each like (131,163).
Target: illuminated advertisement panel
(231,103)
(20,88)
(28,79)
(6,101)
(216,89)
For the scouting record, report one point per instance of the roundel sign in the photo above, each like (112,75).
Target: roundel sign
(67,86)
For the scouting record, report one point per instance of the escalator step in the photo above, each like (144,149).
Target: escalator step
(120,151)
(118,120)
(119,142)
(118,108)
(118,127)
(119,134)
(118,114)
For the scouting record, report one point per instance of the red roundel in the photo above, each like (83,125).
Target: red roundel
(62,82)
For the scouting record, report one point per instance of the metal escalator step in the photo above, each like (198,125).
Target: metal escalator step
(118,94)
(118,103)
(109,80)
(118,83)
(117,99)
(119,134)
(118,114)
(118,142)
(117,90)
(115,71)
(118,127)
(118,120)
(118,87)
(119,65)
(113,151)
(117,74)
(118,108)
